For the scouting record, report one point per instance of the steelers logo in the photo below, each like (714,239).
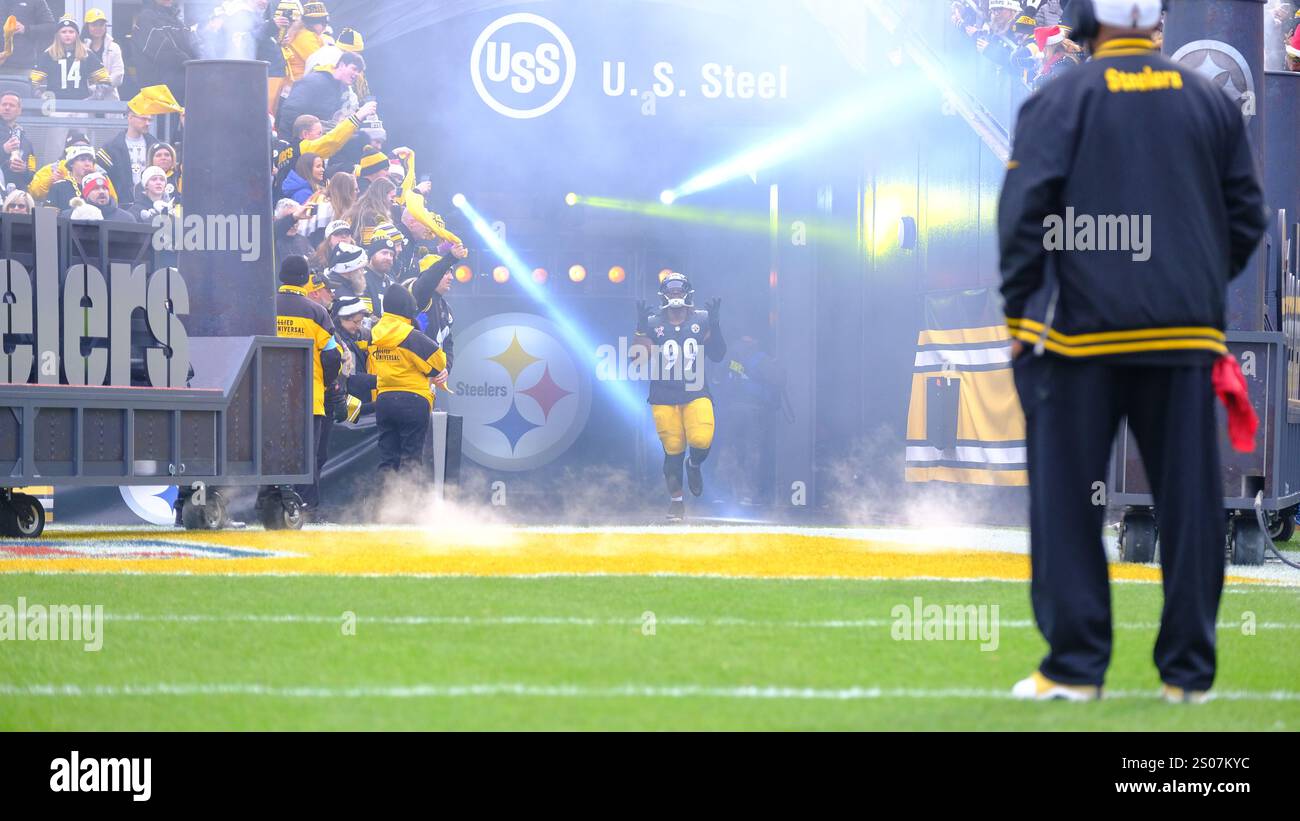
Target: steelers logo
(520,390)
(1224,67)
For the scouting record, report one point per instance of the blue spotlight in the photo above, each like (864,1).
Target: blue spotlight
(577,339)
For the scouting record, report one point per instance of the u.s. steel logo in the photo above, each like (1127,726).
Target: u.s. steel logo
(522,65)
(522,394)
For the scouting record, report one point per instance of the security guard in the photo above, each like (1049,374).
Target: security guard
(301,317)
(676,335)
(1136,148)
(406,364)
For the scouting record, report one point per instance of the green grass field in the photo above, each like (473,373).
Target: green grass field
(203,653)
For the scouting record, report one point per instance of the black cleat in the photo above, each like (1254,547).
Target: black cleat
(676,511)
(694,478)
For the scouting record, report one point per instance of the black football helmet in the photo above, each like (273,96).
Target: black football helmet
(676,292)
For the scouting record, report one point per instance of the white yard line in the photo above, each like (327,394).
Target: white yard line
(1252,587)
(582,621)
(685,691)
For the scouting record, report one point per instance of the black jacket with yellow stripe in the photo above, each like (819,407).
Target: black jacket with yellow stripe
(299,317)
(1157,161)
(402,358)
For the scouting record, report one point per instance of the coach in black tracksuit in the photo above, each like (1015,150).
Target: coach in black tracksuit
(1099,336)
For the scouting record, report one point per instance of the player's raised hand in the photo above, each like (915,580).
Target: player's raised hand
(714,307)
(642,319)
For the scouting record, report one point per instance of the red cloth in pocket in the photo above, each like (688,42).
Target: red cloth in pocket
(1230,385)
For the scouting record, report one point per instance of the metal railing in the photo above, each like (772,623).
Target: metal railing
(47,121)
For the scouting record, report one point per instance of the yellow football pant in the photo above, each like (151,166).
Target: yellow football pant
(680,425)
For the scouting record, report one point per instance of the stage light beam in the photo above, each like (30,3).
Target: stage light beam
(578,340)
(870,107)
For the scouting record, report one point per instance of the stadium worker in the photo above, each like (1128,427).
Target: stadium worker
(676,335)
(300,316)
(1103,334)
(407,365)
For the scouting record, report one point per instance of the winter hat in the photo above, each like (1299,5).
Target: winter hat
(315,12)
(398,300)
(1129,14)
(82,210)
(295,271)
(372,160)
(1010,5)
(337,226)
(380,243)
(289,8)
(75,152)
(1048,36)
(347,258)
(387,230)
(68,22)
(349,306)
(149,173)
(349,39)
(93,181)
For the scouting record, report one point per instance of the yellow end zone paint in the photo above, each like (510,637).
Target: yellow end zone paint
(504,551)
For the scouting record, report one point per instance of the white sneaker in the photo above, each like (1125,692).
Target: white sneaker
(1039,687)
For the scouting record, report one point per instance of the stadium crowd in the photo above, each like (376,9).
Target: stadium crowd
(1023,38)
(1029,40)
(363,261)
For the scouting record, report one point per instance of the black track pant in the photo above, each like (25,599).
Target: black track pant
(1072,411)
(403,421)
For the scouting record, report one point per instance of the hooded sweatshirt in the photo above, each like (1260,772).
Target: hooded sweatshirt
(402,358)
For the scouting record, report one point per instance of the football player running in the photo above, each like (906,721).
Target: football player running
(676,334)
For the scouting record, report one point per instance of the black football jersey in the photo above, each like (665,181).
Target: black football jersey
(677,367)
(69,78)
